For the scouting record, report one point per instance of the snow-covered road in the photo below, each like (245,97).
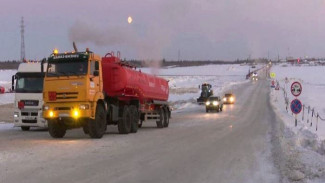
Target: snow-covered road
(232,146)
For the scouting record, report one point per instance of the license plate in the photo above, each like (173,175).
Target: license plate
(64,115)
(29,118)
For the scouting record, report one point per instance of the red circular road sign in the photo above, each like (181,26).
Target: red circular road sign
(296,89)
(296,106)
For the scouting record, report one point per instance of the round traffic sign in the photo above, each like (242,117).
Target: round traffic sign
(296,106)
(272,75)
(296,89)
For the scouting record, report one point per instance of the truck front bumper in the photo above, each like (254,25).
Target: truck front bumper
(75,110)
(29,117)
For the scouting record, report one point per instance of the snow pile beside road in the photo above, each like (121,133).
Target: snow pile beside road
(5,77)
(184,81)
(5,81)
(303,147)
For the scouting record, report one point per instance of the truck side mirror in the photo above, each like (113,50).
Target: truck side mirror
(96,73)
(42,65)
(13,83)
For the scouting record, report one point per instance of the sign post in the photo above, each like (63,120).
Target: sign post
(296,105)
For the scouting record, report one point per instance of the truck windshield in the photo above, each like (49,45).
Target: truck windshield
(67,68)
(29,83)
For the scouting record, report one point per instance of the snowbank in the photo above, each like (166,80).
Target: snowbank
(5,81)
(302,147)
(313,89)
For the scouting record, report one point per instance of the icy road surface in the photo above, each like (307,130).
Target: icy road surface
(232,146)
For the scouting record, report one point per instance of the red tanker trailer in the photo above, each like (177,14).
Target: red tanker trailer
(125,81)
(146,94)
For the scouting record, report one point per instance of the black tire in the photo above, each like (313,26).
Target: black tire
(160,122)
(218,109)
(97,127)
(166,121)
(85,128)
(25,128)
(206,110)
(56,129)
(134,118)
(124,124)
(221,108)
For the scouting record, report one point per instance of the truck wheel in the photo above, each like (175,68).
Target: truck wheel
(56,129)
(134,118)
(160,122)
(97,127)
(166,121)
(85,129)
(206,110)
(124,124)
(25,128)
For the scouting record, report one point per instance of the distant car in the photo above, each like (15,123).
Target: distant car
(254,78)
(229,98)
(214,103)
(253,66)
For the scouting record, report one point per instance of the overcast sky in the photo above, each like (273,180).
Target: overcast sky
(200,29)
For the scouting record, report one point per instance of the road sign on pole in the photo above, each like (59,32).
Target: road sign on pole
(296,106)
(296,89)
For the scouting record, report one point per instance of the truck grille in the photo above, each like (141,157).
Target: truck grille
(62,108)
(29,113)
(67,95)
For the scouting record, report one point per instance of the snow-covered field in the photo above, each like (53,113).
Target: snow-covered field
(302,144)
(184,81)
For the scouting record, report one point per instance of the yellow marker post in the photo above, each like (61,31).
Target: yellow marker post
(272,75)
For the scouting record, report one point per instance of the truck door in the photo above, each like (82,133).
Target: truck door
(94,78)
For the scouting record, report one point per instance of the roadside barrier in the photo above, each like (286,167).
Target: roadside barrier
(310,111)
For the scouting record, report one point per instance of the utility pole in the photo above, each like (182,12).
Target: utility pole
(22,45)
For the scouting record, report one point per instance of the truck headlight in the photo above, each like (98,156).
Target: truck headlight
(16,114)
(225,99)
(215,103)
(232,99)
(83,106)
(51,114)
(76,113)
(207,103)
(46,107)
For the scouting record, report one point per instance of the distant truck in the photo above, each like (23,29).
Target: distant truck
(82,89)
(206,92)
(28,86)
